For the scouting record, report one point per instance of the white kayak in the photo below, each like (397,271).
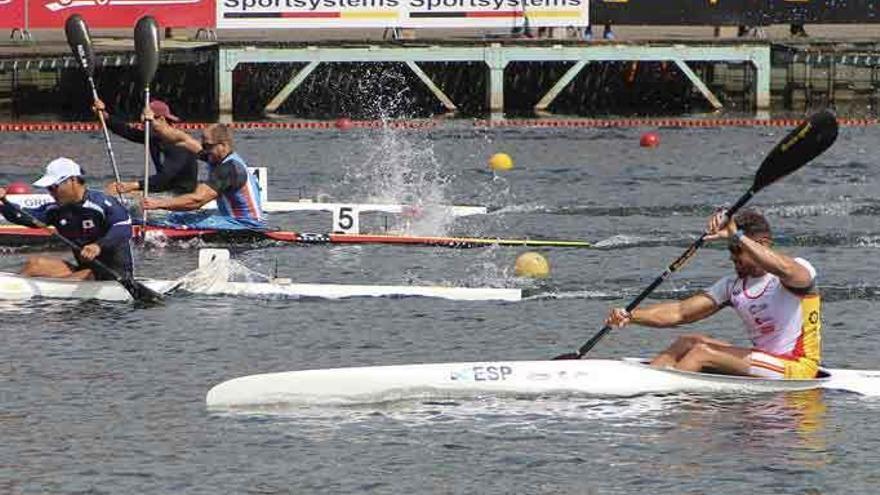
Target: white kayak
(15,287)
(35,200)
(413,210)
(213,278)
(342,291)
(305,204)
(594,377)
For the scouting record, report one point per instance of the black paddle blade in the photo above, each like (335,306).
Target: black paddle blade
(805,142)
(146,46)
(80,42)
(141,293)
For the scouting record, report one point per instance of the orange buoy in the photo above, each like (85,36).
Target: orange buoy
(649,140)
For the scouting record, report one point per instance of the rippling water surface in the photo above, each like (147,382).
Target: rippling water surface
(106,398)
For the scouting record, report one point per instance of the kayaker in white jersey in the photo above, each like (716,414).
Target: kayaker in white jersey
(775,296)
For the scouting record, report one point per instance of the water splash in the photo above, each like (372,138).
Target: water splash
(380,93)
(523,208)
(867,241)
(155,239)
(577,294)
(401,167)
(395,166)
(494,267)
(218,272)
(622,240)
(488,273)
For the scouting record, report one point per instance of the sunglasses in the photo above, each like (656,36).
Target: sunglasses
(54,187)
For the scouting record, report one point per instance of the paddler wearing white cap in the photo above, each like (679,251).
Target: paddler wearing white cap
(92,219)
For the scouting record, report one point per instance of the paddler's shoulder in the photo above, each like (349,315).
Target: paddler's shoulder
(101,199)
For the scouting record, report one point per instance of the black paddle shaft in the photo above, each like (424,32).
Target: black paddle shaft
(146,47)
(805,142)
(672,268)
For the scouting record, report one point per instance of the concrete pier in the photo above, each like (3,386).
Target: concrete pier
(745,74)
(496,57)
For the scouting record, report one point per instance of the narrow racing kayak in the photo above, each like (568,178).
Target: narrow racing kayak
(35,200)
(16,235)
(17,287)
(594,377)
(213,278)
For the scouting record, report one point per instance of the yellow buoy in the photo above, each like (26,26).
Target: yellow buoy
(531,264)
(500,162)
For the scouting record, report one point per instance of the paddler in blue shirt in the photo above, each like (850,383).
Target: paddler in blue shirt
(230,183)
(92,219)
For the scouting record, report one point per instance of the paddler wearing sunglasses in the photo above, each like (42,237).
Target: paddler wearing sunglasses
(774,295)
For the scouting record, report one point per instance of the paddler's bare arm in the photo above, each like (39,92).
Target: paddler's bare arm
(172,136)
(790,272)
(185,202)
(667,314)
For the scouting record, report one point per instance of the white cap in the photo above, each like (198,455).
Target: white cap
(58,171)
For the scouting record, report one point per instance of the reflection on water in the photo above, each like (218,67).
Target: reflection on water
(757,418)
(671,442)
(792,422)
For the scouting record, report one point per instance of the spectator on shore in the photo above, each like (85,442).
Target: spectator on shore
(607,33)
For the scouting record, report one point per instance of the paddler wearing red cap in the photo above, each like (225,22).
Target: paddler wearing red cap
(177,169)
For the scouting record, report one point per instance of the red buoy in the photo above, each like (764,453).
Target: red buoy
(18,188)
(649,140)
(344,123)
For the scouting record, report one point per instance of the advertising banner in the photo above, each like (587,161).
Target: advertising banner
(12,14)
(122,13)
(263,14)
